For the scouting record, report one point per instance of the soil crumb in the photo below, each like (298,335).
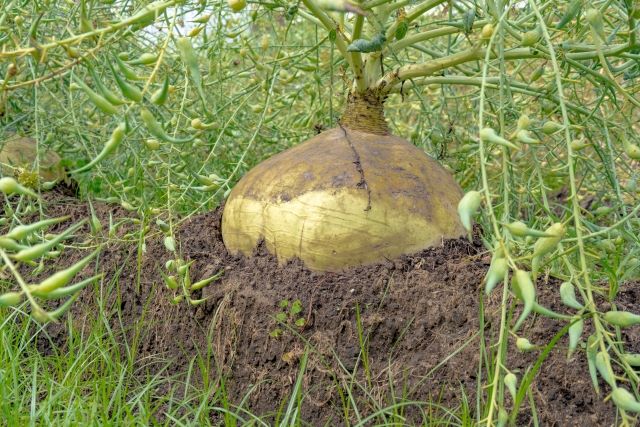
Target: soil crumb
(417,317)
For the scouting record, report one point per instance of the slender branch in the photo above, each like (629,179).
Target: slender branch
(331,25)
(78,38)
(428,35)
(413,15)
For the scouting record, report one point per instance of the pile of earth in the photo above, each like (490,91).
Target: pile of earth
(418,317)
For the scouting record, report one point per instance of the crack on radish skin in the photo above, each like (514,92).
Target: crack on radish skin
(363,182)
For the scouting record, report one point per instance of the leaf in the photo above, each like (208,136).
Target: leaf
(401,30)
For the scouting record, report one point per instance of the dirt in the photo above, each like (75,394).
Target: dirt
(419,318)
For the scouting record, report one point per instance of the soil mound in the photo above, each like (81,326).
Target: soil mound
(417,317)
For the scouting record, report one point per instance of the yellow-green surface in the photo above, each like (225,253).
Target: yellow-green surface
(341,199)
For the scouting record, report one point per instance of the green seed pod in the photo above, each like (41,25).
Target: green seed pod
(237,5)
(10,299)
(503,417)
(524,122)
(632,359)
(10,186)
(117,137)
(152,144)
(61,278)
(155,128)
(468,207)
(572,11)
(603,364)
(104,91)
(622,319)
(594,18)
(126,71)
(550,127)
(169,243)
(145,59)
(632,150)
(525,290)
(99,101)
(22,231)
(164,227)
(511,381)
(592,350)
(524,344)
(530,38)
(130,91)
(204,282)
(10,244)
(625,400)
(497,272)
(568,296)
(37,251)
(544,245)
(537,73)
(177,299)
(71,289)
(490,135)
(524,136)
(159,97)
(579,144)
(520,229)
(575,332)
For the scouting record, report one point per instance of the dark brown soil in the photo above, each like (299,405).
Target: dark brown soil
(419,319)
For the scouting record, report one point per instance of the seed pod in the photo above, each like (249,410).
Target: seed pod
(632,150)
(145,59)
(237,5)
(530,38)
(164,227)
(368,46)
(568,296)
(524,344)
(104,91)
(128,90)
(10,299)
(489,135)
(204,282)
(71,289)
(61,278)
(550,127)
(520,229)
(510,381)
(177,299)
(99,101)
(21,231)
(10,244)
(579,144)
(503,417)
(190,59)
(37,251)
(468,207)
(525,290)
(117,137)
(487,32)
(632,359)
(125,70)
(625,400)
(171,281)
(497,271)
(594,18)
(544,245)
(537,73)
(572,11)
(622,319)
(169,244)
(524,136)
(603,364)
(592,350)
(159,97)
(575,332)
(524,122)
(155,129)
(10,186)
